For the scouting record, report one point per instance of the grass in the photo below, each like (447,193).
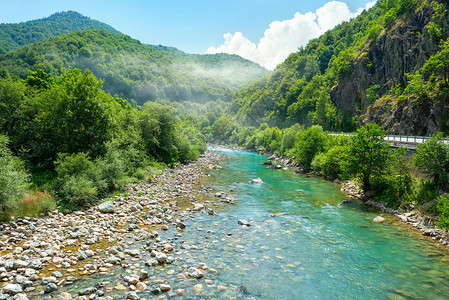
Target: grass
(35,203)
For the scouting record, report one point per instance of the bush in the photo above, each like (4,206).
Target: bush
(331,164)
(14,179)
(443,210)
(78,191)
(310,142)
(78,180)
(111,170)
(432,158)
(34,203)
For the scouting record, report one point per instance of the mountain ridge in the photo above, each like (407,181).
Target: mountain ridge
(134,70)
(16,35)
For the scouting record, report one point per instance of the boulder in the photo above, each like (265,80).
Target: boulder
(378,219)
(257,181)
(106,207)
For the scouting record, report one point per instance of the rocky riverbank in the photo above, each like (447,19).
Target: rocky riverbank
(40,255)
(411,216)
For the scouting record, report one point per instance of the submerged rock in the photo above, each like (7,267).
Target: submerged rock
(195,273)
(243,222)
(379,219)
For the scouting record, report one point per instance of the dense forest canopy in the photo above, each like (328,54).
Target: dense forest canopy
(133,70)
(14,36)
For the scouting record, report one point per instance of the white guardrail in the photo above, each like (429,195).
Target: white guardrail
(408,139)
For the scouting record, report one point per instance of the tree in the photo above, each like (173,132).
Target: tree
(310,142)
(367,154)
(432,158)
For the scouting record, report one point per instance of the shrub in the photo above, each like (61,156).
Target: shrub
(78,180)
(78,191)
(432,158)
(310,142)
(34,203)
(14,179)
(443,210)
(331,164)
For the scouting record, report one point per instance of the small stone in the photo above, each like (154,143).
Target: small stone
(143,275)
(132,296)
(213,271)
(51,287)
(161,257)
(180,291)
(151,262)
(195,273)
(57,274)
(168,247)
(87,291)
(198,207)
(81,255)
(243,222)
(164,287)
(141,285)
(198,287)
(65,296)
(164,227)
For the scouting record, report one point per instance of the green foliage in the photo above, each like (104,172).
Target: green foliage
(34,204)
(14,179)
(14,36)
(78,191)
(72,115)
(390,17)
(133,70)
(329,163)
(373,32)
(310,142)
(435,31)
(405,6)
(438,64)
(416,86)
(443,211)
(395,186)
(432,158)
(367,155)
(372,93)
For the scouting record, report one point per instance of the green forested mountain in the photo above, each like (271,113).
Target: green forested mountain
(136,71)
(14,36)
(341,79)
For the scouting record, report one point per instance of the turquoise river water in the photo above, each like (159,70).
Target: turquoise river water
(312,248)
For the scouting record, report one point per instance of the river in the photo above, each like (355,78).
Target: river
(301,244)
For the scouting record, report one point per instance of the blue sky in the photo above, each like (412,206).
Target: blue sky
(193,26)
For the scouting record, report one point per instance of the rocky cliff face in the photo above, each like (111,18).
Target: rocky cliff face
(385,62)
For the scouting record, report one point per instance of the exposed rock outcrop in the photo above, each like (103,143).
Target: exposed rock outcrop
(385,62)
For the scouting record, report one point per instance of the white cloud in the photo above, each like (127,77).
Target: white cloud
(284,37)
